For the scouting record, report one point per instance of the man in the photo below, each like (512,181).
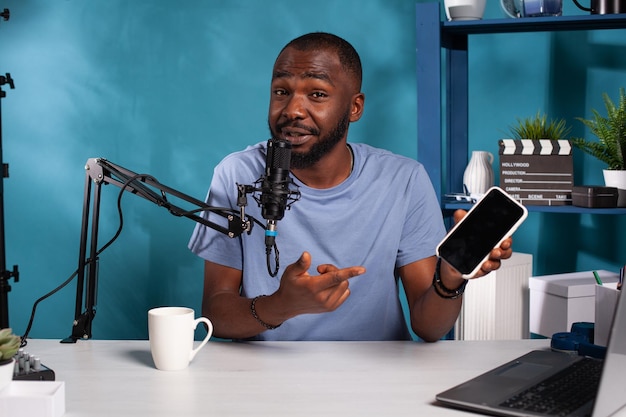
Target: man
(360,206)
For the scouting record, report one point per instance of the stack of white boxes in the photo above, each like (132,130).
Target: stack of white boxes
(557,301)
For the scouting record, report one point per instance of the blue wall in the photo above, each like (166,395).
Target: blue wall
(170,88)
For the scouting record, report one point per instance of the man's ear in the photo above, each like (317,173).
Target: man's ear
(358,102)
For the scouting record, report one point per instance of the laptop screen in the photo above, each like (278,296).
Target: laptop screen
(613,382)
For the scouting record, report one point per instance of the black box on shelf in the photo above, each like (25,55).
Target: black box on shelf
(537,172)
(594,196)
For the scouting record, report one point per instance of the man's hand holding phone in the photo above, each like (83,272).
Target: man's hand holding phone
(483,234)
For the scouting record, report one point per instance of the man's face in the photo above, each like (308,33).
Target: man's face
(311,103)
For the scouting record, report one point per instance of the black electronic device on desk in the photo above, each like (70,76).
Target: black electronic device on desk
(29,368)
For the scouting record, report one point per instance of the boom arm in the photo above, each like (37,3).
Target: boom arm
(100,172)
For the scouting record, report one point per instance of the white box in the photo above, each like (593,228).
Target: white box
(557,301)
(606,302)
(33,399)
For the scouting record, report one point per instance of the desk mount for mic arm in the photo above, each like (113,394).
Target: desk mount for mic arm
(101,172)
(5,275)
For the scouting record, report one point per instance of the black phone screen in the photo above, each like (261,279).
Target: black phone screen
(494,218)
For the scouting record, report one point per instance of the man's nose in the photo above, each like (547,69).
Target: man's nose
(295,107)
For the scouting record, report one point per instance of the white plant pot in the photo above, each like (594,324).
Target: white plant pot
(6,374)
(617,179)
(465,9)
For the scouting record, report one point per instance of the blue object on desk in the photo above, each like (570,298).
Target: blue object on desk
(579,341)
(584,328)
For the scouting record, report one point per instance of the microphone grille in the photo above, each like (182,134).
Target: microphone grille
(278,154)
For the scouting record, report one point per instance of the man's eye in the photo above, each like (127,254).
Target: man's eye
(280,92)
(319,94)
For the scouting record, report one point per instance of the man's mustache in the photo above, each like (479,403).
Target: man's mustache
(297,125)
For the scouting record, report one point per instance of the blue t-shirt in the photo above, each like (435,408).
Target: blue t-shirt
(383,216)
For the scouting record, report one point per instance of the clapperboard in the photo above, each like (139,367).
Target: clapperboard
(537,172)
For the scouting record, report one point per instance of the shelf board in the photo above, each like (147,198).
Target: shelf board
(536,24)
(549,209)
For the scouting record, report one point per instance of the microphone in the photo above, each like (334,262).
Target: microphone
(275,194)
(275,191)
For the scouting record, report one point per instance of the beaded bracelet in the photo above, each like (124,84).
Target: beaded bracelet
(440,289)
(256,316)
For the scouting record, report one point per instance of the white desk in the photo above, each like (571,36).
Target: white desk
(118,378)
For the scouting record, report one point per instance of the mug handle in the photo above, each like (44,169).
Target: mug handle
(197,321)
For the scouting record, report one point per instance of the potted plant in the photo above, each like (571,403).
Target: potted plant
(537,127)
(9,345)
(536,164)
(610,147)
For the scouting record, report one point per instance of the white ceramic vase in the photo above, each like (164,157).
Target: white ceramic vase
(617,179)
(478,176)
(465,9)
(6,374)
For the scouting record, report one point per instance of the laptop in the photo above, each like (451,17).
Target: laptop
(504,391)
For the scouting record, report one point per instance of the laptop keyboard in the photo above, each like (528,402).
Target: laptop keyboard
(562,393)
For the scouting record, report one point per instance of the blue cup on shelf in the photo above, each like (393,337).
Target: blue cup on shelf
(536,8)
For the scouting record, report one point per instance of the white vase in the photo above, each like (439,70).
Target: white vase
(478,176)
(465,9)
(617,179)
(6,374)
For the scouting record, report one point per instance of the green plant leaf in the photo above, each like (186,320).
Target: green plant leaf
(610,131)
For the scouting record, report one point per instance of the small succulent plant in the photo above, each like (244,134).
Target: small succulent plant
(9,345)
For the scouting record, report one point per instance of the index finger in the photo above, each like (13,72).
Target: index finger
(332,276)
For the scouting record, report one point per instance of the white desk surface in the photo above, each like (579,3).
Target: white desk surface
(118,378)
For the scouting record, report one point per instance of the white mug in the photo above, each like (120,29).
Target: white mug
(171,334)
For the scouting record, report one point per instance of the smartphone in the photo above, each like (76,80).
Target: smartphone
(492,219)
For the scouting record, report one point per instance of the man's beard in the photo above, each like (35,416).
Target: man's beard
(303,160)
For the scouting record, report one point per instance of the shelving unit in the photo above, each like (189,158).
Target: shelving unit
(435,36)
